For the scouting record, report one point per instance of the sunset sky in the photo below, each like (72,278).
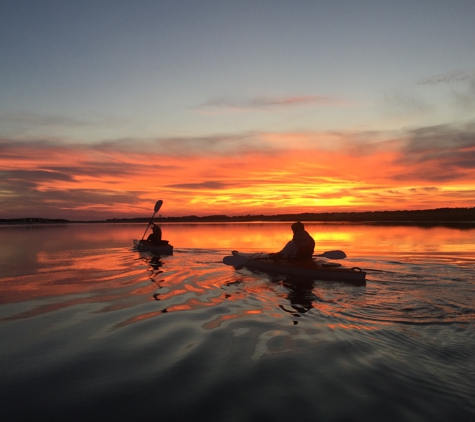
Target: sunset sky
(235,107)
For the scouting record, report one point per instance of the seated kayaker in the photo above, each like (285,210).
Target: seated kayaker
(301,246)
(155,238)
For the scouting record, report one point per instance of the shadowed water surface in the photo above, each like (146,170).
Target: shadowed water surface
(92,329)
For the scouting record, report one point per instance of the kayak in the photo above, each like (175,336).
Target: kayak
(319,270)
(144,246)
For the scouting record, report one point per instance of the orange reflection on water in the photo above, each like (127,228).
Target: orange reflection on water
(261,236)
(253,312)
(179,308)
(354,327)
(221,319)
(355,239)
(194,289)
(138,318)
(98,263)
(172,293)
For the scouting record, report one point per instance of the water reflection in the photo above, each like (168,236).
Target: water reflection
(77,303)
(355,239)
(19,243)
(301,296)
(96,263)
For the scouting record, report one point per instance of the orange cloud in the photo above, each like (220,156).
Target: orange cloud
(249,173)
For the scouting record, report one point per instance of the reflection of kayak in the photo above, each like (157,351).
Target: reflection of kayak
(144,246)
(319,270)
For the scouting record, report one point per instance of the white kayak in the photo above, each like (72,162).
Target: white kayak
(318,270)
(145,246)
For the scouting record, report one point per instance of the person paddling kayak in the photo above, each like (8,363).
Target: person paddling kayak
(155,238)
(301,246)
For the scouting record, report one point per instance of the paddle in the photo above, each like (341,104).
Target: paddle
(158,205)
(239,260)
(333,254)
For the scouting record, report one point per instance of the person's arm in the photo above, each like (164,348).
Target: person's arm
(290,250)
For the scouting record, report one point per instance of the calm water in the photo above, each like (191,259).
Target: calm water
(92,330)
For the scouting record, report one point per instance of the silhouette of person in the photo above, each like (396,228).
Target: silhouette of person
(156,236)
(301,246)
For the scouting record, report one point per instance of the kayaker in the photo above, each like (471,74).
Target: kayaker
(301,246)
(156,236)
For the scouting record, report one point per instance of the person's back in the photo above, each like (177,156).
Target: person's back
(156,237)
(305,244)
(300,247)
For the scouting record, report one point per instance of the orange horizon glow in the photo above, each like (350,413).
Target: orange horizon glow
(265,174)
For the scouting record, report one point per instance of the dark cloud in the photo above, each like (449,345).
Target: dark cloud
(202,185)
(25,183)
(262,103)
(449,77)
(216,144)
(41,120)
(440,138)
(98,169)
(461,83)
(14,147)
(438,153)
(434,174)
(36,176)
(174,146)
(153,152)
(88,204)
(13,185)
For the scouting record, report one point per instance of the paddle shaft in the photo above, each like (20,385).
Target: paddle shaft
(148,225)
(238,260)
(158,204)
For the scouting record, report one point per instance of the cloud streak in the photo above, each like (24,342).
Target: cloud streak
(263,103)
(449,77)
(461,84)
(36,120)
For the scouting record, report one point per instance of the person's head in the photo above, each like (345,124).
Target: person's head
(297,227)
(155,229)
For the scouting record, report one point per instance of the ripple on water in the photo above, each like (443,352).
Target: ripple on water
(185,336)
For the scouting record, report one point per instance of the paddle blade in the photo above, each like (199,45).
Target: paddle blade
(158,206)
(333,255)
(235,260)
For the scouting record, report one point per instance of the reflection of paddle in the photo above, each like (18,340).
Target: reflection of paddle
(155,210)
(238,260)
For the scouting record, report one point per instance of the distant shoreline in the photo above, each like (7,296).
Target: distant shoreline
(463,217)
